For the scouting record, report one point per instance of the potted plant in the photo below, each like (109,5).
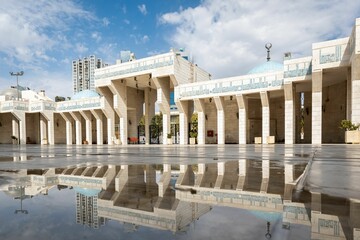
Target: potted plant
(193,136)
(193,129)
(169,138)
(352,133)
(14,140)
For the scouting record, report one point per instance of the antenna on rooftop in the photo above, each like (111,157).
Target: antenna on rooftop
(268,46)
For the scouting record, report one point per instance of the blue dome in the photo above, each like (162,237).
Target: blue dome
(85,94)
(267,67)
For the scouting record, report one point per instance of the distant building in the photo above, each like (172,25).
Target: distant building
(83,71)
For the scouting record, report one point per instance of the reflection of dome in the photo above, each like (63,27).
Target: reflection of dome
(10,93)
(267,216)
(267,67)
(87,192)
(85,94)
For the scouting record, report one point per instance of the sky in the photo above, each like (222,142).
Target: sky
(224,37)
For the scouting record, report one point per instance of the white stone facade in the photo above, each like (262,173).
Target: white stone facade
(300,100)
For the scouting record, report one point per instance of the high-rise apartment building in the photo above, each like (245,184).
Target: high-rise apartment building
(83,73)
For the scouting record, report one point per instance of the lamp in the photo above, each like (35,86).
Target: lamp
(210,99)
(17,74)
(129,122)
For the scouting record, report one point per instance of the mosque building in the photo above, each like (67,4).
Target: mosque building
(301,100)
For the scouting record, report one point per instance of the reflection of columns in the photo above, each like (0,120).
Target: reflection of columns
(265,176)
(163,99)
(200,109)
(99,126)
(265,116)
(242,174)
(289,113)
(119,89)
(219,101)
(289,173)
(88,125)
(150,99)
(220,175)
(78,128)
(316,107)
(183,107)
(68,121)
(200,176)
(316,202)
(165,179)
(355,215)
(243,106)
(150,178)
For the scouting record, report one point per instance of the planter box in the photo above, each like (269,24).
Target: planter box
(352,136)
(271,139)
(258,140)
(169,141)
(192,141)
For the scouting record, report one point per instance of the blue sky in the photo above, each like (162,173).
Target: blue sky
(226,38)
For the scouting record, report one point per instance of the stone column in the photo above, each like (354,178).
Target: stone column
(43,133)
(316,107)
(183,107)
(289,113)
(163,99)
(243,106)
(348,94)
(68,121)
(78,127)
(219,102)
(355,88)
(88,126)
(50,125)
(99,126)
(200,109)
(108,110)
(265,116)
(150,99)
(15,127)
(119,89)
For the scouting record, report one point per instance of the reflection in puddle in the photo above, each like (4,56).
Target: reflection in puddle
(172,197)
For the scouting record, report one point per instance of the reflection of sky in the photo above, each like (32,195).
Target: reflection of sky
(54,217)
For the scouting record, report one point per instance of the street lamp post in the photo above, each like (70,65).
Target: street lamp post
(17,74)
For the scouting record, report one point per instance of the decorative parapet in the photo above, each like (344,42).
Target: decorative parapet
(332,53)
(42,106)
(9,106)
(228,86)
(301,67)
(84,104)
(136,66)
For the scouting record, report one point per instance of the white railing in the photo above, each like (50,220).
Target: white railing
(144,64)
(89,103)
(8,106)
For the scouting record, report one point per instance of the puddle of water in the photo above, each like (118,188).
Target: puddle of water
(252,199)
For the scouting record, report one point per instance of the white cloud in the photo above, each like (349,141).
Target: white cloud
(105,21)
(142,9)
(145,38)
(126,21)
(81,48)
(138,39)
(96,36)
(24,29)
(227,38)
